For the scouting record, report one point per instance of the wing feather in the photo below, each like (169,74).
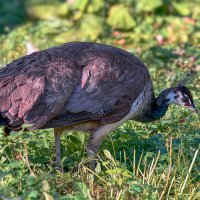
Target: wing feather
(34,88)
(108,87)
(80,81)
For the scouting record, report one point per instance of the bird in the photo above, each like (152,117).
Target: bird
(82,86)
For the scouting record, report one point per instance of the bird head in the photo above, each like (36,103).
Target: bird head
(181,95)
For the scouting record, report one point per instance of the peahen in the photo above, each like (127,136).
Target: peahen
(82,86)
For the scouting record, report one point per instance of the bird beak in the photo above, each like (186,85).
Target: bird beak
(193,108)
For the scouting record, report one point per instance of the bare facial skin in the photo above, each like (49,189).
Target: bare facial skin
(183,98)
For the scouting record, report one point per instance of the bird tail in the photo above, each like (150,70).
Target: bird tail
(3,121)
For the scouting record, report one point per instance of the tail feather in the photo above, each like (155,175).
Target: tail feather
(6,131)
(3,121)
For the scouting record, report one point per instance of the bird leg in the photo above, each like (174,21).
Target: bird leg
(97,136)
(92,148)
(95,139)
(57,135)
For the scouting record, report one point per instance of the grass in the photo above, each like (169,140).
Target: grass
(157,160)
(139,161)
(136,166)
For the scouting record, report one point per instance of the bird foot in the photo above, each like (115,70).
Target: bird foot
(91,156)
(59,167)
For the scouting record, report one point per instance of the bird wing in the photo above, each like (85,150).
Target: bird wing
(110,82)
(34,88)
(65,85)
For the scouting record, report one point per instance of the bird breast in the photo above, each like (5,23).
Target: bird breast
(138,109)
(143,103)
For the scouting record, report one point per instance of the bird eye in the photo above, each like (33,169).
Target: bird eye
(176,96)
(185,99)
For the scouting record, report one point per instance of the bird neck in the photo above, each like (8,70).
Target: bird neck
(157,107)
(154,108)
(160,105)
(158,112)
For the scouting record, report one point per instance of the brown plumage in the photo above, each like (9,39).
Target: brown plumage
(83,80)
(84,86)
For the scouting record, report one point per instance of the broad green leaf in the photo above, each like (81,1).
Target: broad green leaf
(120,17)
(30,180)
(82,190)
(46,143)
(3,174)
(95,6)
(45,186)
(33,194)
(135,188)
(26,125)
(91,27)
(182,8)
(126,173)
(48,11)
(105,163)
(80,4)
(63,10)
(112,171)
(3,159)
(68,36)
(42,11)
(119,181)
(14,164)
(108,154)
(14,133)
(148,5)
(74,139)
(98,167)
